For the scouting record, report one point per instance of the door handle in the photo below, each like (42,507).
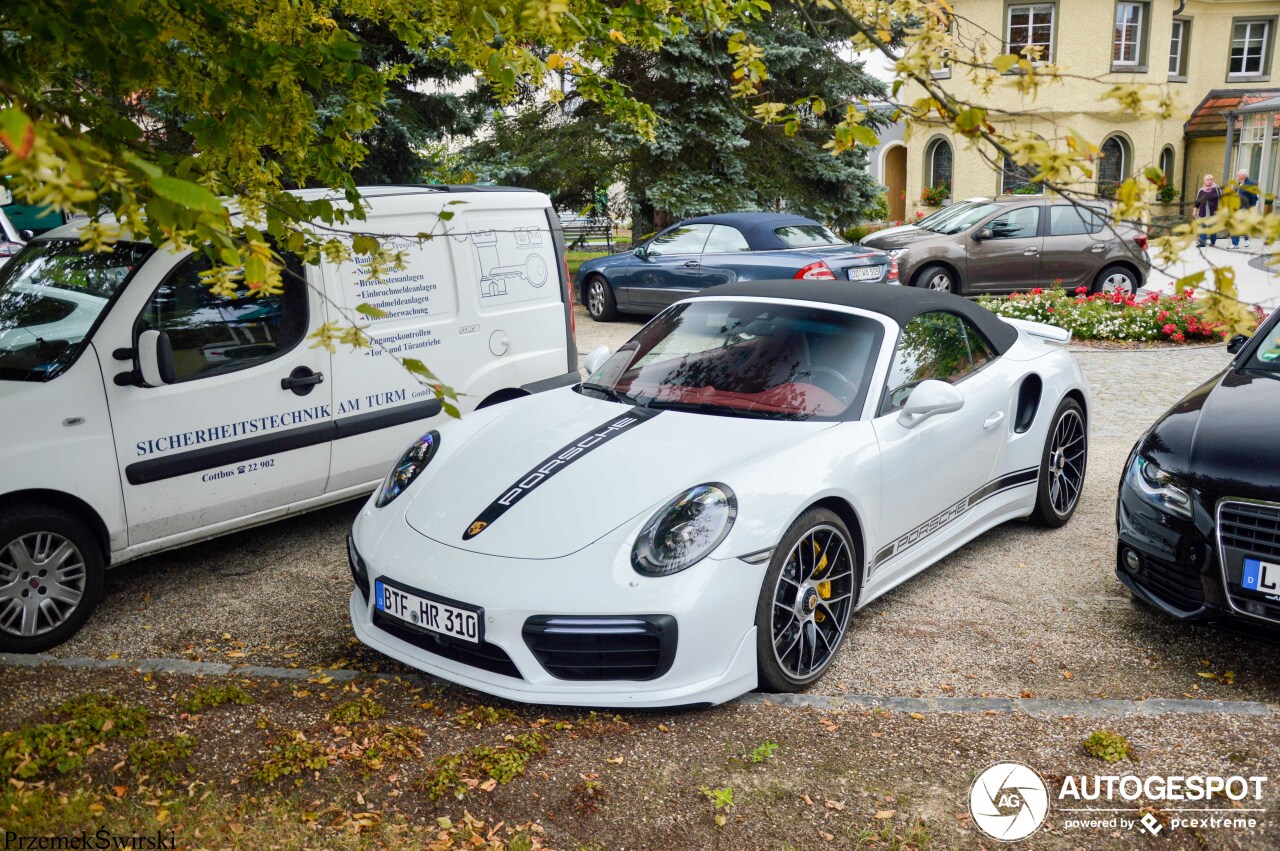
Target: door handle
(1098,246)
(994,419)
(1030,251)
(691,264)
(302,380)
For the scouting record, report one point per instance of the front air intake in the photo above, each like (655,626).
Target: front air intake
(635,647)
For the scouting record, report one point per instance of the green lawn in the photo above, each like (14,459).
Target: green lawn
(577,258)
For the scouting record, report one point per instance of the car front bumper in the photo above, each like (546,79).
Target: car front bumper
(712,604)
(1179,570)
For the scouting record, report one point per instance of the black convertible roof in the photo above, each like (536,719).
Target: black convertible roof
(901,304)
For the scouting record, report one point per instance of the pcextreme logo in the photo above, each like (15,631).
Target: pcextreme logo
(1008,801)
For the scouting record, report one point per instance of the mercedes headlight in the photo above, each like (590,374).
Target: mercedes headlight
(414,460)
(685,530)
(1158,487)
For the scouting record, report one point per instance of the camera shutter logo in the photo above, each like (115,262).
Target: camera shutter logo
(1009,801)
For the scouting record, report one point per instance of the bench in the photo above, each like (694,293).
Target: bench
(579,230)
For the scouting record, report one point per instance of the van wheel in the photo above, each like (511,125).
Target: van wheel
(601,304)
(938,278)
(51,571)
(1115,279)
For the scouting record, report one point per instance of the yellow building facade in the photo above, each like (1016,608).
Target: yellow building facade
(1216,56)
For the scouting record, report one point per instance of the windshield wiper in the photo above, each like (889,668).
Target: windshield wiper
(614,395)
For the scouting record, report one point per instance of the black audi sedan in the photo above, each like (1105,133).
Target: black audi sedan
(1199,507)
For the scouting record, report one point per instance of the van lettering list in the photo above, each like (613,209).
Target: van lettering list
(225,431)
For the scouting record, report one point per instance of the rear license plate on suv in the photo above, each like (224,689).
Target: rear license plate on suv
(865,273)
(427,613)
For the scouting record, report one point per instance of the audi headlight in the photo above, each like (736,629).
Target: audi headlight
(414,460)
(1158,487)
(685,530)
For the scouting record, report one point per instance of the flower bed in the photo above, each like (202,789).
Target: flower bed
(1111,316)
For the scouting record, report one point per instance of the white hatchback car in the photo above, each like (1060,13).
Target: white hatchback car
(706,512)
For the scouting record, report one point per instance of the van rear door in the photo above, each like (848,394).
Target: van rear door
(247,426)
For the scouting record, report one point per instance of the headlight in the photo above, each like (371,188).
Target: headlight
(1158,487)
(896,253)
(685,530)
(414,460)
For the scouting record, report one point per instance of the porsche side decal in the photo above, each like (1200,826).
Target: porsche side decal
(938,521)
(556,462)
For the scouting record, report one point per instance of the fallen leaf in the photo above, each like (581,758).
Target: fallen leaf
(807,800)
(720,820)
(1066,675)
(236,654)
(1208,675)
(162,815)
(617,760)
(885,814)
(97,809)
(120,791)
(1027,693)
(948,687)
(664,728)
(919,716)
(834,805)
(489,785)
(827,836)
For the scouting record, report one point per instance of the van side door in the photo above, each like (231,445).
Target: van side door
(246,427)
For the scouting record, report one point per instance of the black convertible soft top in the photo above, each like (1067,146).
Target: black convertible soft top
(901,304)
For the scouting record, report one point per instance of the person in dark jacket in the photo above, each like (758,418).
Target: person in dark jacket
(1247,189)
(1207,205)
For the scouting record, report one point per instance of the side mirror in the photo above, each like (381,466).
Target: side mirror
(1236,343)
(984,233)
(928,399)
(595,359)
(155,359)
(26,235)
(641,251)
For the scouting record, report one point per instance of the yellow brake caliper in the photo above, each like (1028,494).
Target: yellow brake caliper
(824,587)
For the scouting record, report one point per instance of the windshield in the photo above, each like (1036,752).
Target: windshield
(1267,355)
(933,220)
(50,296)
(964,219)
(807,236)
(746,359)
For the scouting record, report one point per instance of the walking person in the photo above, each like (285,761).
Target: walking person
(1247,189)
(1207,205)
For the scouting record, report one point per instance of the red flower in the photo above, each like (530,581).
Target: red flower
(1037,291)
(1081,290)
(1170,328)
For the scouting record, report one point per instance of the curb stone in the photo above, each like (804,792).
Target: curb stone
(1037,707)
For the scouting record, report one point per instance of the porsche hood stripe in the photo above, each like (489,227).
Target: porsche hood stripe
(933,524)
(554,463)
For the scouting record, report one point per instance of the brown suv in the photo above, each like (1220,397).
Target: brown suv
(1017,243)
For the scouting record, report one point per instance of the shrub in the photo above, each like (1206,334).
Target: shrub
(933,196)
(1111,316)
(1106,746)
(213,696)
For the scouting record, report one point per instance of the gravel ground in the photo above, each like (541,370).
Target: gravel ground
(1019,612)
(836,779)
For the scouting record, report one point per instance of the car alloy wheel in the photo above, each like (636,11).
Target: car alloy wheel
(1116,279)
(601,303)
(595,298)
(1063,462)
(812,599)
(43,577)
(1066,462)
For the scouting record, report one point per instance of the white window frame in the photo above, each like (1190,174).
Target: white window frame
(934,146)
(1262,42)
(1178,49)
(1120,37)
(1031,9)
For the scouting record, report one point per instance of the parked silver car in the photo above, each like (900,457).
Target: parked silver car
(10,240)
(1017,243)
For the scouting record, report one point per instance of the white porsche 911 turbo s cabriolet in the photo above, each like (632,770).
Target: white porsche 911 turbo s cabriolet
(707,511)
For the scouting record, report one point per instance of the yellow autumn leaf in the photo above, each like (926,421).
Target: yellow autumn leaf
(616,35)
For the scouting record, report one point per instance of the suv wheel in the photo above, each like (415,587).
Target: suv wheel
(1115,279)
(938,278)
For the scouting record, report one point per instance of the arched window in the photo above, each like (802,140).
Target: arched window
(938,160)
(1114,165)
(1166,164)
(1016,180)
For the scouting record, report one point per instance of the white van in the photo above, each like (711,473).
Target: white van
(140,412)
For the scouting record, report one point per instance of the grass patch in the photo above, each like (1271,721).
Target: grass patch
(577,258)
(78,726)
(213,696)
(291,754)
(457,773)
(164,762)
(354,711)
(893,837)
(1106,746)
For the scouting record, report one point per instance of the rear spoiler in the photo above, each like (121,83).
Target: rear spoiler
(1048,333)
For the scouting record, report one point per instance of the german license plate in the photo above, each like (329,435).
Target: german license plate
(1261,576)
(426,613)
(865,273)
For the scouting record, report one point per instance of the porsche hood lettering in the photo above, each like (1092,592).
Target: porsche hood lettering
(554,463)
